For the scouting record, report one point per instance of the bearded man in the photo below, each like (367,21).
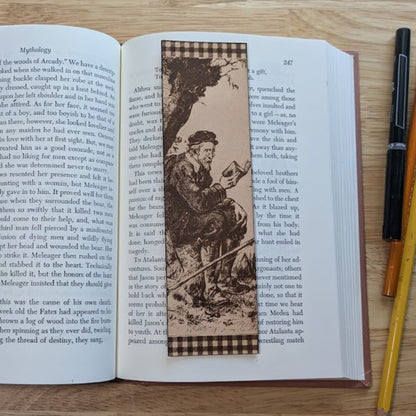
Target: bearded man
(199,214)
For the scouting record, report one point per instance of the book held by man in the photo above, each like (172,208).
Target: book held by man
(83,244)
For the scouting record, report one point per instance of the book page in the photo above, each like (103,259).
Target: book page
(296,261)
(58,204)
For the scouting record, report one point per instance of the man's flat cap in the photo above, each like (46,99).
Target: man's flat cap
(202,136)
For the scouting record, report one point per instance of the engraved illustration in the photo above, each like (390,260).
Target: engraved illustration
(210,261)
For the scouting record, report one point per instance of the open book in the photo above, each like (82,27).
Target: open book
(82,243)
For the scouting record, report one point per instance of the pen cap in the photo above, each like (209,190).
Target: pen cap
(398,118)
(403,41)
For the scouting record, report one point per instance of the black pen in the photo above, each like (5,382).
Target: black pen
(396,152)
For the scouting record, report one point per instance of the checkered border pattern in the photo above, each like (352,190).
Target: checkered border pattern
(213,345)
(177,49)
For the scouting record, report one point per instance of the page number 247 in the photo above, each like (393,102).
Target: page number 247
(288,62)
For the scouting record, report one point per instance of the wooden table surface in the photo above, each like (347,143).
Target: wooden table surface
(364,26)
